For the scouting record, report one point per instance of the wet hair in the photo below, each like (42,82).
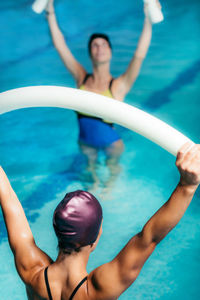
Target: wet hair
(77,220)
(95,36)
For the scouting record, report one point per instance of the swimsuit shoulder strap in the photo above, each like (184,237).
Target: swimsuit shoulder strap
(110,84)
(86,78)
(49,290)
(47,284)
(88,75)
(78,286)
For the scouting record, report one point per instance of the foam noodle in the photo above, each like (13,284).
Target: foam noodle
(39,5)
(100,106)
(154,11)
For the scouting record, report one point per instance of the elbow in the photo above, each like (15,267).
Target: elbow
(156,240)
(57,45)
(140,56)
(148,239)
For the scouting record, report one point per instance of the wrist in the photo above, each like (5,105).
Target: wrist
(187,188)
(147,21)
(50,12)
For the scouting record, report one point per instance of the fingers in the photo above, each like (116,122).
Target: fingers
(49,5)
(188,148)
(159,4)
(186,155)
(188,163)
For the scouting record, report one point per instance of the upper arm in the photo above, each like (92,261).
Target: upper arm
(74,67)
(133,256)
(115,277)
(28,257)
(124,82)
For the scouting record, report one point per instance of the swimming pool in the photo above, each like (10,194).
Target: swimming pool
(38,147)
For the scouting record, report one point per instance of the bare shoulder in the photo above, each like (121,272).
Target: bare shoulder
(110,280)
(31,269)
(36,287)
(104,282)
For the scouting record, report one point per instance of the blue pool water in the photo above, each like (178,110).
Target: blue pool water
(38,147)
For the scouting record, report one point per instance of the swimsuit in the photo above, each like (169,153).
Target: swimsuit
(48,287)
(94,131)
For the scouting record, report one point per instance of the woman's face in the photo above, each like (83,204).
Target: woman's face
(100,51)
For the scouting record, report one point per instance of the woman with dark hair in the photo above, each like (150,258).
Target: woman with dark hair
(96,133)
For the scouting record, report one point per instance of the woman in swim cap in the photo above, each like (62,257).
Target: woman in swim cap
(77,221)
(95,133)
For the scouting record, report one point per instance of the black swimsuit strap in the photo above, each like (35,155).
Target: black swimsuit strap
(49,290)
(86,78)
(110,84)
(88,75)
(78,286)
(47,284)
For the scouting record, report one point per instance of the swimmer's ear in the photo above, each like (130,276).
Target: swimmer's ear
(93,246)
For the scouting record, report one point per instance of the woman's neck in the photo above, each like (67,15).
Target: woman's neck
(74,261)
(101,72)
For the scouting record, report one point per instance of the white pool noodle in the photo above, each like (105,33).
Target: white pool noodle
(97,105)
(39,5)
(154,11)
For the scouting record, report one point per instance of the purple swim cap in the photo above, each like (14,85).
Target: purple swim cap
(77,220)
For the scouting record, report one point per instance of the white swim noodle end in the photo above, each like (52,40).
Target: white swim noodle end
(39,5)
(97,105)
(154,12)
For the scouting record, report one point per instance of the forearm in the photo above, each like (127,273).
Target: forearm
(144,41)
(5,187)
(167,217)
(56,34)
